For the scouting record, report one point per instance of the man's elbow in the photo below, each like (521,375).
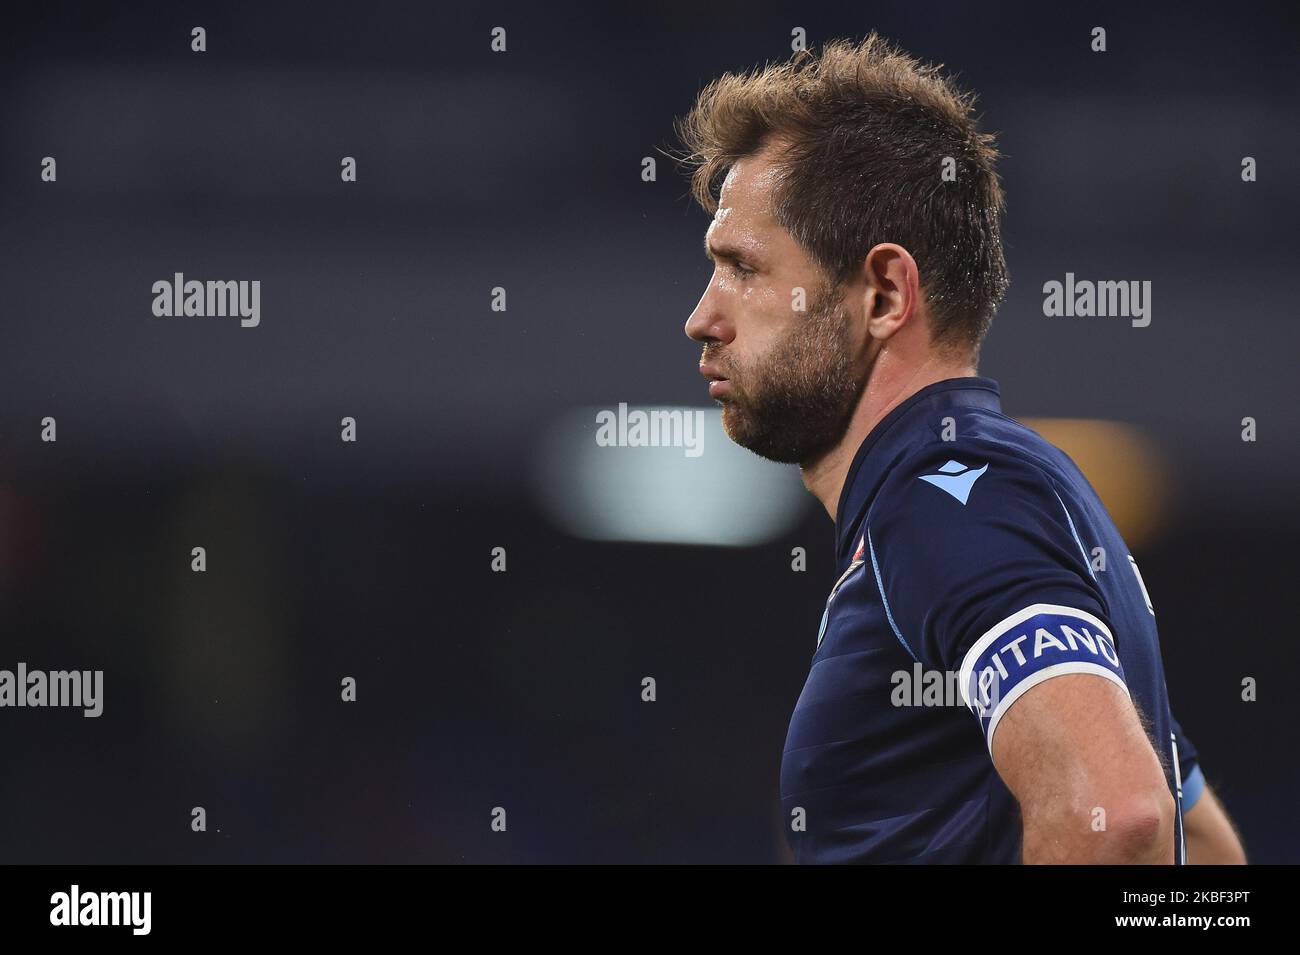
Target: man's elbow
(1134,827)
(1141,829)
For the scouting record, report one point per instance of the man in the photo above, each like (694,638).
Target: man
(858,264)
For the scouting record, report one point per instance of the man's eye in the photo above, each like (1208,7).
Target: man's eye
(741,271)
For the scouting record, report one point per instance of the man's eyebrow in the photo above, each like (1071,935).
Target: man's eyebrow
(723,251)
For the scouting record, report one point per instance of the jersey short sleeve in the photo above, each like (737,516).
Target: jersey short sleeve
(982,572)
(1189,767)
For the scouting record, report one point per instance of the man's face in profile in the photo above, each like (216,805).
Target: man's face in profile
(779,344)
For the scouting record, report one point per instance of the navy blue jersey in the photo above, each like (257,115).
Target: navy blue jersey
(973,561)
(1189,763)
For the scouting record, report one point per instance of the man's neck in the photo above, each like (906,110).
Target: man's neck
(884,392)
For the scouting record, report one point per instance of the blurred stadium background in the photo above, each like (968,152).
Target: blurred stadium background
(522,170)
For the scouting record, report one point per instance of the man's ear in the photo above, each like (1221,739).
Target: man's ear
(893,288)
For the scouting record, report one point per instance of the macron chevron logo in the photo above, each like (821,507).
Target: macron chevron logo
(956,479)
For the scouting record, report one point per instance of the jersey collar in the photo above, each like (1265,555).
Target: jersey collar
(873,457)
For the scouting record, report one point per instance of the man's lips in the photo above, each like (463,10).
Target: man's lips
(719,384)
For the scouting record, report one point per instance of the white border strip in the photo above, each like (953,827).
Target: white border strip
(1056,669)
(1011,622)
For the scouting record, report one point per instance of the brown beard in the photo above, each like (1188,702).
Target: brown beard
(794,404)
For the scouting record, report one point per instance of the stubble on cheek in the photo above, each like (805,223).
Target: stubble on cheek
(801,392)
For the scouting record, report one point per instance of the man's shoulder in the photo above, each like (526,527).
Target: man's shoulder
(966,448)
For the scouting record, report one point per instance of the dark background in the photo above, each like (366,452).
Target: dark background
(522,689)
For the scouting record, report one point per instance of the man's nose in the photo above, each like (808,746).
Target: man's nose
(708,323)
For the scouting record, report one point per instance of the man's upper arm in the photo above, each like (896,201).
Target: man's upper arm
(995,583)
(1075,755)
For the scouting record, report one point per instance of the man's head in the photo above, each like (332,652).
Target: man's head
(859,217)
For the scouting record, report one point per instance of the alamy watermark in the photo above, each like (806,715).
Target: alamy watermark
(38,688)
(1085,298)
(75,907)
(656,428)
(924,687)
(213,299)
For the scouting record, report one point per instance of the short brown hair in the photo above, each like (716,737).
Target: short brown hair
(865,129)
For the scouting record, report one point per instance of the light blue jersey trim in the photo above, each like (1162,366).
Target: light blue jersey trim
(1083,553)
(885,600)
(1193,786)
